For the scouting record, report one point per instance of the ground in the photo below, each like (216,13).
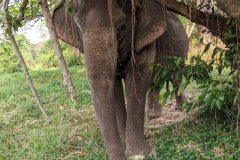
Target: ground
(169,116)
(74,133)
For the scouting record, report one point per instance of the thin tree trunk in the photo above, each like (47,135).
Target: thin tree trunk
(57,49)
(238,78)
(22,62)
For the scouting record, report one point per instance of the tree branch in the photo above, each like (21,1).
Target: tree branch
(22,9)
(57,48)
(231,7)
(215,23)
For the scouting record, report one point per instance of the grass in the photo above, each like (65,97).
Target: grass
(201,140)
(74,133)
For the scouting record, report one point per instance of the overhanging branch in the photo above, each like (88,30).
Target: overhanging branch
(22,9)
(215,23)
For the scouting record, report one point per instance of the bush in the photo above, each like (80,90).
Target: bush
(216,79)
(8,59)
(46,57)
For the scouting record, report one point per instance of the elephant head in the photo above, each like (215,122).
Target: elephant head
(151,24)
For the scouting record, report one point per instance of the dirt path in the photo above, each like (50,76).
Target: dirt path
(169,116)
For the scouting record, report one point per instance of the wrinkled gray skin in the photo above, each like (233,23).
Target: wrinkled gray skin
(104,35)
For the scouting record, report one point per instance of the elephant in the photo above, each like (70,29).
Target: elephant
(120,39)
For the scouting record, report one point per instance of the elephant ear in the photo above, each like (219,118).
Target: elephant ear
(66,28)
(151,24)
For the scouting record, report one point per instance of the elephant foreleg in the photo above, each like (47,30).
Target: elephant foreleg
(101,65)
(137,82)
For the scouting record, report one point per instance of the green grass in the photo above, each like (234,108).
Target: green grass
(201,140)
(74,133)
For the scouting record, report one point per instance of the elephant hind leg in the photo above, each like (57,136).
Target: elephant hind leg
(179,98)
(179,101)
(154,109)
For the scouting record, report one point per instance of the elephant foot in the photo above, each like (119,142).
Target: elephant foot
(178,108)
(152,114)
(179,102)
(137,157)
(117,156)
(137,151)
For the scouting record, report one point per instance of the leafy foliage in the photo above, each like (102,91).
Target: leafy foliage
(216,79)
(8,60)
(37,56)
(46,57)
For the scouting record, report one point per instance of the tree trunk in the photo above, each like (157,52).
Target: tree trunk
(57,49)
(231,7)
(22,62)
(205,19)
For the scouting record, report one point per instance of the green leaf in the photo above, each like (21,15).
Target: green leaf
(221,98)
(165,97)
(16,25)
(172,95)
(198,59)
(198,71)
(179,61)
(209,99)
(213,103)
(15,28)
(187,106)
(215,51)
(181,88)
(220,68)
(19,24)
(69,7)
(220,94)
(207,47)
(219,104)
(203,95)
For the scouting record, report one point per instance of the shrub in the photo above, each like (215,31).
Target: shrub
(216,78)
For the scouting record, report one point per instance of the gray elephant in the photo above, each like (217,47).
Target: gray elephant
(120,45)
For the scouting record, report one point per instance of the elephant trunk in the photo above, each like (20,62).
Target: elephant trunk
(100,48)
(101,61)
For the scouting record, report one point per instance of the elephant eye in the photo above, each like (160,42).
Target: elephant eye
(123,27)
